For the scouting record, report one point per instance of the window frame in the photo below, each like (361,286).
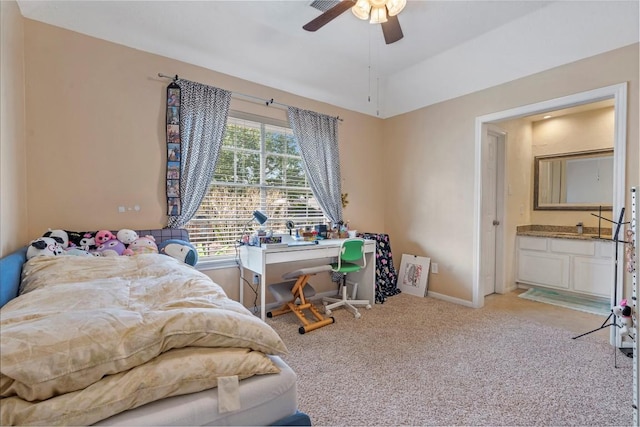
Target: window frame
(230,260)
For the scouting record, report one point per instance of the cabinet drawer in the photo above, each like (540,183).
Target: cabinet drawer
(569,246)
(532,243)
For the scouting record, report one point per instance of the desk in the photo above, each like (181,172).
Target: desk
(256,259)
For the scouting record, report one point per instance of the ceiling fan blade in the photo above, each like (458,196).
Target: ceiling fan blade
(329,15)
(391,30)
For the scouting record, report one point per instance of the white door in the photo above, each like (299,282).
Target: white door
(491,219)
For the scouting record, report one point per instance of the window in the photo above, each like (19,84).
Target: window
(259,168)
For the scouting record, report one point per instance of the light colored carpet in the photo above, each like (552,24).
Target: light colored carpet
(423,361)
(573,302)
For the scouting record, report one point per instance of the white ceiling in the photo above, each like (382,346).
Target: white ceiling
(450,48)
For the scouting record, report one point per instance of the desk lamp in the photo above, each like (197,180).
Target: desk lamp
(260,217)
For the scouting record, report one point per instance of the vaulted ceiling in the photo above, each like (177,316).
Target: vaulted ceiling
(450,48)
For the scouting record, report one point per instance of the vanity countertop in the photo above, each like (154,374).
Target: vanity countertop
(563,232)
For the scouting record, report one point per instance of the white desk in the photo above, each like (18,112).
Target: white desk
(257,259)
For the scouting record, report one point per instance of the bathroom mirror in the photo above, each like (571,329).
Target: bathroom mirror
(574,181)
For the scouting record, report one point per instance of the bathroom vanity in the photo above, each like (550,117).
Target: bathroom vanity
(554,257)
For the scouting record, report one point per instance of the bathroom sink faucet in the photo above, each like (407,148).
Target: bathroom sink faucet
(579,225)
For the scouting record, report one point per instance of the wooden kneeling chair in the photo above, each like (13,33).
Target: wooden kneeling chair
(295,293)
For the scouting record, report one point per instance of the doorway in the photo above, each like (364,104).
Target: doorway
(492,273)
(483,182)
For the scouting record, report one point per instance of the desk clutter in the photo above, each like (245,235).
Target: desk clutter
(267,239)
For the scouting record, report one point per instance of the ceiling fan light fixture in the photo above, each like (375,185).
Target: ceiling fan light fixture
(378,15)
(361,9)
(395,6)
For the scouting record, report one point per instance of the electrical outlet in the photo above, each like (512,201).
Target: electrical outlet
(434,268)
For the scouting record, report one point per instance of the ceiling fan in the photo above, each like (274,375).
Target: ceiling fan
(382,12)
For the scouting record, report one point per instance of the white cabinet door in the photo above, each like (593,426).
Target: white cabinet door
(543,268)
(593,276)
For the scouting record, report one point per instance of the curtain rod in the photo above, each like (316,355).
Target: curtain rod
(267,102)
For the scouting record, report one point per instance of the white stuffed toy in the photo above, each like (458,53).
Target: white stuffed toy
(44,246)
(144,245)
(60,236)
(623,312)
(126,236)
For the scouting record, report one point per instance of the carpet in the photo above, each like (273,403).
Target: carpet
(422,361)
(573,302)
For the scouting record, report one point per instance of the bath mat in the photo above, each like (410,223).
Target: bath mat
(573,302)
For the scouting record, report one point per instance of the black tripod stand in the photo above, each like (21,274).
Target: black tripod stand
(612,317)
(615,239)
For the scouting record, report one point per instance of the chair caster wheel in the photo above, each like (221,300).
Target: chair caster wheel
(327,312)
(301,330)
(358,315)
(368,307)
(269,315)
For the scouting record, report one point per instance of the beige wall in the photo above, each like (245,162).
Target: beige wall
(95,141)
(589,130)
(13,198)
(431,152)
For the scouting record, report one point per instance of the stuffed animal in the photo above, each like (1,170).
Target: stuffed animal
(44,246)
(623,312)
(74,238)
(88,242)
(179,249)
(126,236)
(60,236)
(104,236)
(77,252)
(144,245)
(113,247)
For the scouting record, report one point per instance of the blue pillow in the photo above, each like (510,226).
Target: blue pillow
(180,250)
(10,272)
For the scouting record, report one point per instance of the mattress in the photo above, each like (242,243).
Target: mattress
(264,399)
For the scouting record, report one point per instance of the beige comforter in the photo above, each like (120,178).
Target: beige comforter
(91,335)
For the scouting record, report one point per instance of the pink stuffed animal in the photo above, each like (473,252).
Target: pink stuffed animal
(104,236)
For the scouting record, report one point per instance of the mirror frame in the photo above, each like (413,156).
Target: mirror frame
(565,206)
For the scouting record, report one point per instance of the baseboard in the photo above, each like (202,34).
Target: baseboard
(318,297)
(450,299)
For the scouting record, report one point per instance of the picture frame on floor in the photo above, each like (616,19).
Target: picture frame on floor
(414,275)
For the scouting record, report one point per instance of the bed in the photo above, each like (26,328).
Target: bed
(134,340)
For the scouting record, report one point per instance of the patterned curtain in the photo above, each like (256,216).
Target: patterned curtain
(203,121)
(317,137)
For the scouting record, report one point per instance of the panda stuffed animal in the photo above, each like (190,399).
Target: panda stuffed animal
(44,246)
(60,236)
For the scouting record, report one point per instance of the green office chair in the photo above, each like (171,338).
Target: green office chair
(350,260)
